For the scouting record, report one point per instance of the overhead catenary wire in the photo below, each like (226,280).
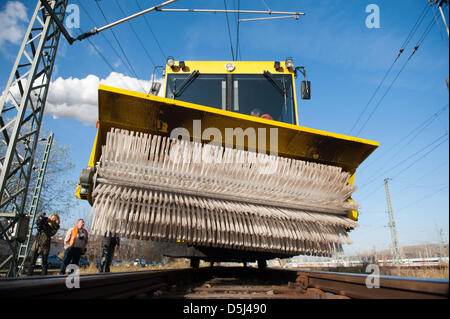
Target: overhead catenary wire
(387,91)
(373,95)
(414,133)
(237,30)
(424,155)
(110,45)
(373,229)
(120,46)
(266,5)
(105,59)
(151,31)
(422,16)
(409,157)
(101,55)
(401,50)
(236,21)
(377,189)
(427,186)
(432,170)
(235,11)
(137,36)
(425,33)
(229,31)
(422,198)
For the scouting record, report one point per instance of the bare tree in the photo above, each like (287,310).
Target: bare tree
(57,193)
(58,189)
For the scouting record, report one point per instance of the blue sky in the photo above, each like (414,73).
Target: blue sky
(345,62)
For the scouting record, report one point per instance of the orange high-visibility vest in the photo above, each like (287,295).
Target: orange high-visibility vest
(74,234)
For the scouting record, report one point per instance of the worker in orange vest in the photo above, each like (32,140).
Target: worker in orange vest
(75,244)
(257,113)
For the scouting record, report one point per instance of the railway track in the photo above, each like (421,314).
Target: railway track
(222,283)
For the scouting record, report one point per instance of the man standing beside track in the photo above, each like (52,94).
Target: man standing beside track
(75,244)
(108,244)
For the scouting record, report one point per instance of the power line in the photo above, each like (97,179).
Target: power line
(423,198)
(416,153)
(118,43)
(415,132)
(137,36)
(406,159)
(434,169)
(109,43)
(228,25)
(402,48)
(104,58)
(237,30)
(373,95)
(416,25)
(385,93)
(419,43)
(235,12)
(151,31)
(425,33)
(422,156)
(266,5)
(100,54)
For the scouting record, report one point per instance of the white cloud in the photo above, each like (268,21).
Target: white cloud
(78,98)
(12,26)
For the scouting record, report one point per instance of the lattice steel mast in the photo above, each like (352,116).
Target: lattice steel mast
(25,247)
(21,112)
(395,246)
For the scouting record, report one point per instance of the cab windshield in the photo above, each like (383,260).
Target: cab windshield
(265,95)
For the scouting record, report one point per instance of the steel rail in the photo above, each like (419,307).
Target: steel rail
(133,284)
(390,287)
(92,286)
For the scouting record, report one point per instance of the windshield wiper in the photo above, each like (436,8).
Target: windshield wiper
(280,89)
(188,81)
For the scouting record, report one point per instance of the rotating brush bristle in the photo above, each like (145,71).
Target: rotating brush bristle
(154,187)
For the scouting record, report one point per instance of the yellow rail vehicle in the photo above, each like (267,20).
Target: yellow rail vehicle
(219,168)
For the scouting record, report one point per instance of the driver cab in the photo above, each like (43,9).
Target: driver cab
(262,89)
